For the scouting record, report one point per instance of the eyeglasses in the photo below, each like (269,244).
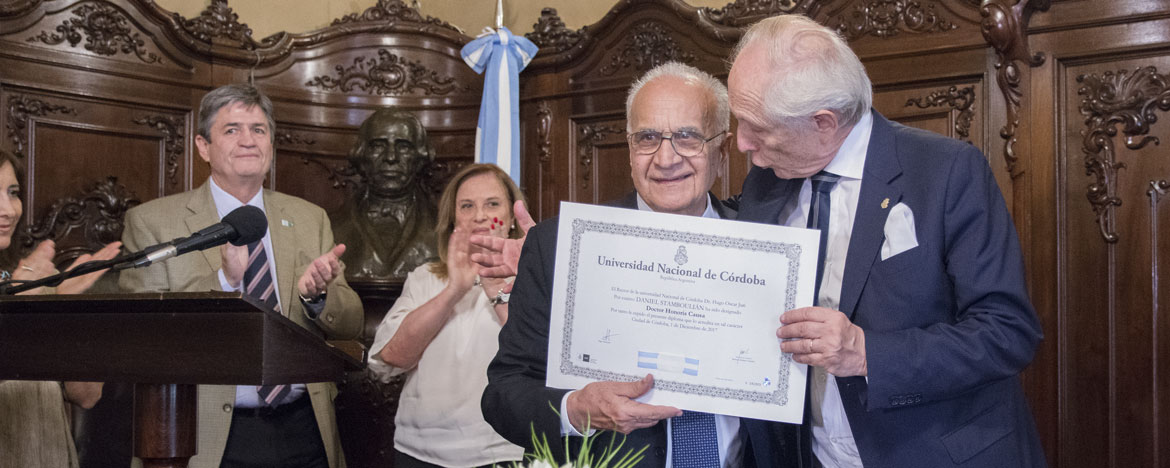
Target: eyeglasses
(686,143)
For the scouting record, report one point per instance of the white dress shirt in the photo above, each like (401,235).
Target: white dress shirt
(246,395)
(726,427)
(832,438)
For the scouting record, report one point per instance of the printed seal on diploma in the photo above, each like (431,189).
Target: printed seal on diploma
(694,301)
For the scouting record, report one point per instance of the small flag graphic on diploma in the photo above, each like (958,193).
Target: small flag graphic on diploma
(674,363)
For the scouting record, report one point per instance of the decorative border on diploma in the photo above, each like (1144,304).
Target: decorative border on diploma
(778,397)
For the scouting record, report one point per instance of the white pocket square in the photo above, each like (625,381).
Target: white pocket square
(899,231)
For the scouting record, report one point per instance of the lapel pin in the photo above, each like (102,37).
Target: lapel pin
(287,223)
(885,203)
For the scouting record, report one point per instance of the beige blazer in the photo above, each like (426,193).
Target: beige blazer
(300,232)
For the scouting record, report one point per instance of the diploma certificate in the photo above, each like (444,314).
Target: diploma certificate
(694,301)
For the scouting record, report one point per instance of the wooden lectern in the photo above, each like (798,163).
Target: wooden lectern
(164,343)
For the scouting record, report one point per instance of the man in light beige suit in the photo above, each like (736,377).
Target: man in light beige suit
(237,426)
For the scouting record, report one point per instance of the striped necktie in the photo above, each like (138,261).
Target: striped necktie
(693,443)
(258,283)
(818,218)
(258,277)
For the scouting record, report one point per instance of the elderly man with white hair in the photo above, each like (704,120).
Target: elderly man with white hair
(678,119)
(922,322)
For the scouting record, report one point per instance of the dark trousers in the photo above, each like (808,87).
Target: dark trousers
(285,436)
(402,460)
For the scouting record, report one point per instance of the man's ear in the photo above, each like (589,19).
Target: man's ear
(724,153)
(825,122)
(201,145)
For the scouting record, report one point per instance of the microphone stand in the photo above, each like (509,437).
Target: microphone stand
(118,263)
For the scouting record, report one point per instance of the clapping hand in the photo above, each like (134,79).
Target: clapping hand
(36,265)
(79,284)
(461,271)
(321,272)
(499,257)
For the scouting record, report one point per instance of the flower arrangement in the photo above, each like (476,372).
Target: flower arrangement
(543,457)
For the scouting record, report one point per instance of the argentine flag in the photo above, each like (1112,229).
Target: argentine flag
(502,55)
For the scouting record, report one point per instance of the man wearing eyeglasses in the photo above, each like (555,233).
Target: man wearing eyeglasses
(677,118)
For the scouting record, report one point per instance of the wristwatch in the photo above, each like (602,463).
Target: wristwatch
(314,300)
(501,298)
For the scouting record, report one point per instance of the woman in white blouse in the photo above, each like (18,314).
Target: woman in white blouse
(442,332)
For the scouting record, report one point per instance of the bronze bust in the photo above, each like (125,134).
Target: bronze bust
(388,225)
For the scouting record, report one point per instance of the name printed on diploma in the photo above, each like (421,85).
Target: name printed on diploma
(694,301)
(681,312)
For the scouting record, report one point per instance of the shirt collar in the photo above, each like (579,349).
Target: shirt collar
(225,203)
(850,159)
(707,213)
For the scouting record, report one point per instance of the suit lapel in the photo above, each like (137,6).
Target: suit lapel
(765,196)
(203,214)
(283,248)
(629,201)
(882,169)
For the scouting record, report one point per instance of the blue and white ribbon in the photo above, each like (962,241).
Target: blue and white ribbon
(502,55)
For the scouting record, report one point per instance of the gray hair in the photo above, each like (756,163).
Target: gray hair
(814,69)
(226,95)
(685,72)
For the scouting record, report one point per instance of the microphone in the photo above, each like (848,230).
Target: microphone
(243,226)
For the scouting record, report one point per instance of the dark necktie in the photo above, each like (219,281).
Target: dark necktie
(818,218)
(693,443)
(258,283)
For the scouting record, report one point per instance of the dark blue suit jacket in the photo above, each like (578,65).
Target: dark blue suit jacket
(948,324)
(517,403)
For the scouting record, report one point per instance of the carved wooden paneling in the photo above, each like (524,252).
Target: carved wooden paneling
(21,110)
(1114,159)
(1004,23)
(589,136)
(544,131)
(746,12)
(365,416)
(888,18)
(392,11)
(174,143)
(105,30)
(948,110)
(219,22)
(386,74)
(1159,331)
(550,32)
(73,141)
(648,45)
(960,101)
(602,160)
(307,173)
(85,222)
(561,46)
(1109,100)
